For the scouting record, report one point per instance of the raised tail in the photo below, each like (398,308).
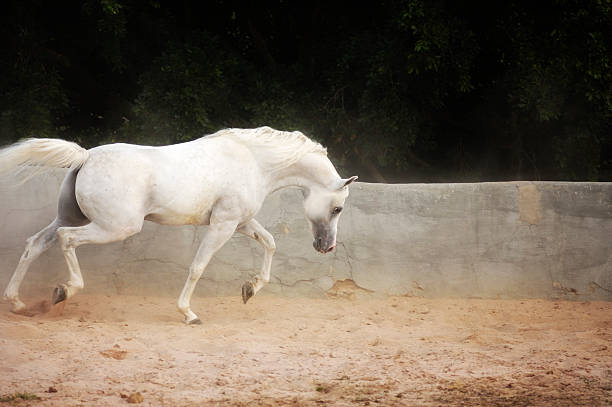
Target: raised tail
(34,156)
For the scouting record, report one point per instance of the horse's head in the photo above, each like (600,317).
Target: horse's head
(323,207)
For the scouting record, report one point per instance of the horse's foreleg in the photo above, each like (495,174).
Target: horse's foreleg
(254,230)
(35,246)
(215,237)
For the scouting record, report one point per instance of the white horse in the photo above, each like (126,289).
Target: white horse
(220,180)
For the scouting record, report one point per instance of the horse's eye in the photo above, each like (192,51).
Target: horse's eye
(336,210)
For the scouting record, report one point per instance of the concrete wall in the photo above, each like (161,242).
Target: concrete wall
(487,240)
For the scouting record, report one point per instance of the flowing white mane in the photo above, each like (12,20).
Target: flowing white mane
(273,149)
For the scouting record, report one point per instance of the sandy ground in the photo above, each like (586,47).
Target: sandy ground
(281,351)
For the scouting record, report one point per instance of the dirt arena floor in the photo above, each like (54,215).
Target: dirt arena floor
(110,351)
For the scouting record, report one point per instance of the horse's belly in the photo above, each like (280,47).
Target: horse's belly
(181,201)
(168,216)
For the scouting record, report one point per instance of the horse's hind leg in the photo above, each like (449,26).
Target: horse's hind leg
(73,237)
(35,246)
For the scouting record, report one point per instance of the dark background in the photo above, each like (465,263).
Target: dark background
(398,90)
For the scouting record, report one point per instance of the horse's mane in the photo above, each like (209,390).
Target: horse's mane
(273,149)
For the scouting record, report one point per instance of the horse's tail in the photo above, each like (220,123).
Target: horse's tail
(34,156)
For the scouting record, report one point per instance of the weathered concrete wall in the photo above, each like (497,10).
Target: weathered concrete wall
(490,240)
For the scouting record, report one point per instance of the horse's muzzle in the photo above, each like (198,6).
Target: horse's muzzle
(320,246)
(324,237)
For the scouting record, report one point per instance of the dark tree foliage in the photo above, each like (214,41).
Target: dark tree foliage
(399,90)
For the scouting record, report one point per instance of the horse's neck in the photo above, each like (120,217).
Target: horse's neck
(314,169)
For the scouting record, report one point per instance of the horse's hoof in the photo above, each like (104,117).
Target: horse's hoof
(20,309)
(248,290)
(17,307)
(194,322)
(59,294)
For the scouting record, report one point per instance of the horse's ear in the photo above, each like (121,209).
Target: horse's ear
(346,182)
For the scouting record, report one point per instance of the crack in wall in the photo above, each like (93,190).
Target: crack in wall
(568,290)
(348,259)
(594,285)
(296,282)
